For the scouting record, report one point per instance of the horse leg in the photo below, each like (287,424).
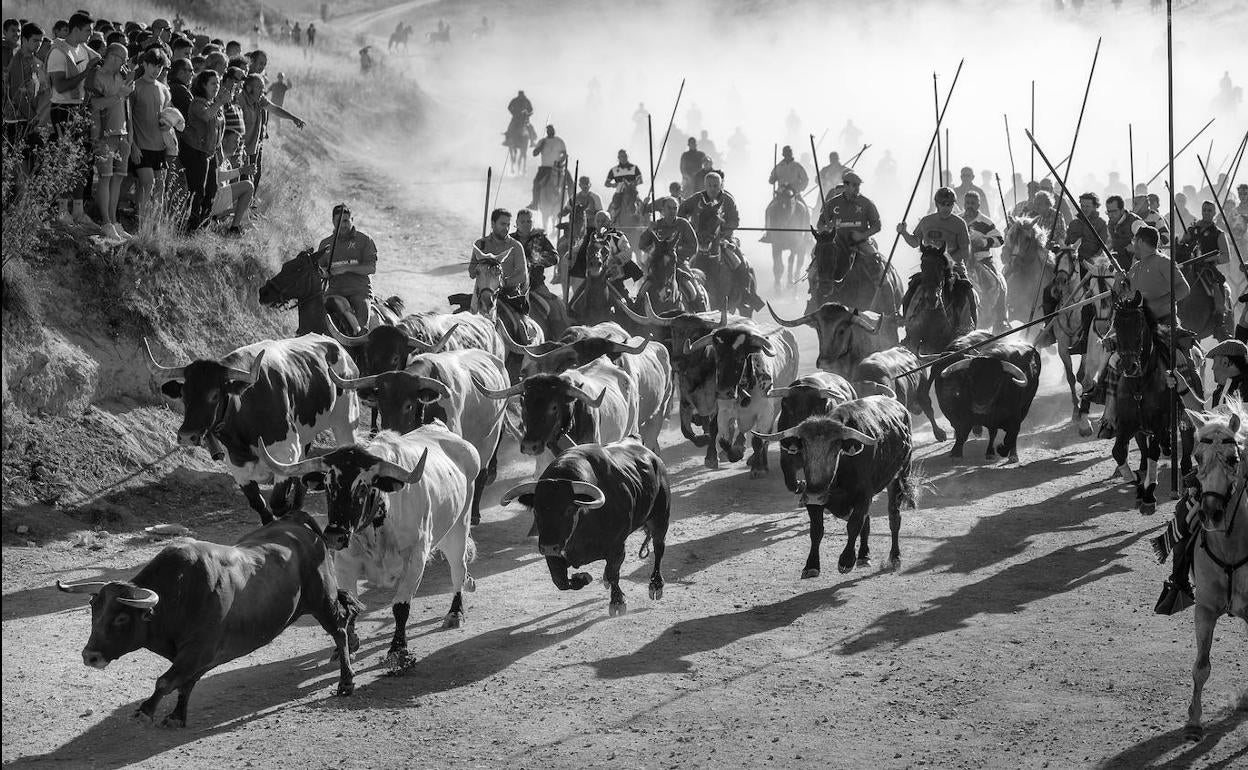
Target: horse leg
(924,400)
(1206,619)
(1141,443)
(1120,454)
(1148,504)
(1063,352)
(777,264)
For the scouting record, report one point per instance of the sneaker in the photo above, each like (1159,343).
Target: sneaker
(121,233)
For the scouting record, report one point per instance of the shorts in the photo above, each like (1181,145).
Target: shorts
(111,156)
(153,159)
(223,202)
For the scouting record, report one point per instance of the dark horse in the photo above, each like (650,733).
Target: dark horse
(1198,310)
(593,303)
(841,272)
(668,289)
(300,282)
(1143,407)
(938,305)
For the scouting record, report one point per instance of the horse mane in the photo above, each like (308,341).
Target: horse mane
(1029,227)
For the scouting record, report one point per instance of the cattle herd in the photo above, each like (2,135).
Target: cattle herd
(445,389)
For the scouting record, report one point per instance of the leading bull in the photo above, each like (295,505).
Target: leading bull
(863,447)
(200,605)
(273,396)
(992,389)
(814,394)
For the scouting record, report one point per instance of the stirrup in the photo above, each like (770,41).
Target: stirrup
(1174,599)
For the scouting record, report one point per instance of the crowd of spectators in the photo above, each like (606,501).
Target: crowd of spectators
(167,118)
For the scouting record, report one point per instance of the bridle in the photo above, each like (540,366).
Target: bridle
(1133,361)
(1232,501)
(285,290)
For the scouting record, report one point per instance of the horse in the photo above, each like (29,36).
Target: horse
(441,35)
(664,287)
(1028,266)
(787,210)
(628,212)
(299,281)
(938,305)
(1220,560)
(594,299)
(517,138)
(553,194)
(724,285)
(1066,289)
(485,301)
(1197,310)
(991,290)
(841,272)
(399,37)
(1143,407)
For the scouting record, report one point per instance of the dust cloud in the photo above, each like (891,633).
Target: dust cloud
(587,66)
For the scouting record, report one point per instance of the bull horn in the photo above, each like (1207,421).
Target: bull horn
(298,468)
(146,601)
(548,353)
(514,347)
(86,587)
(859,436)
(869,320)
(585,398)
(249,377)
(437,386)
(767,346)
(598,498)
(346,340)
(654,317)
(527,488)
(414,343)
(779,392)
(358,383)
(872,388)
(628,312)
(638,347)
(514,390)
(786,433)
(700,343)
(955,367)
(791,324)
(1015,373)
(170,372)
(397,472)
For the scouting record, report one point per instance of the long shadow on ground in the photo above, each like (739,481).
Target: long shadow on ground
(1146,752)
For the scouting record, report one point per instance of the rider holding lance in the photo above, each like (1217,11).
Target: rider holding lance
(1122,227)
(625,177)
(942,227)
(1207,242)
(540,254)
(791,179)
(984,238)
(350,257)
(671,228)
(714,216)
(1088,229)
(552,149)
(618,260)
(508,251)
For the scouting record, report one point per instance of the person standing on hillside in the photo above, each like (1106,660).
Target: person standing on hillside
(69,63)
(147,148)
(350,256)
(110,135)
(311,34)
(256,110)
(205,124)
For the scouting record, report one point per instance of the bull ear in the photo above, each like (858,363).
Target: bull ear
(172,389)
(315,480)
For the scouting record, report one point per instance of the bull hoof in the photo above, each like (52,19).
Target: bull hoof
(656,592)
(470,584)
(580,580)
(475,520)
(990,454)
(453,620)
(1013,458)
(1193,733)
(863,561)
(956,457)
(892,565)
(173,722)
(845,566)
(810,572)
(615,609)
(939,435)
(1148,509)
(711,463)
(733,455)
(346,688)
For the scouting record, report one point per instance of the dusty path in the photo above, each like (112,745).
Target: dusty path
(1018,634)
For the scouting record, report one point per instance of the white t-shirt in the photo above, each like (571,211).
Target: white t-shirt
(69,60)
(552,149)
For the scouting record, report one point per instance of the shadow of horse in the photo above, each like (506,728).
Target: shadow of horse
(1143,754)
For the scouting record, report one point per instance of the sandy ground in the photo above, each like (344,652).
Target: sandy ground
(1019,632)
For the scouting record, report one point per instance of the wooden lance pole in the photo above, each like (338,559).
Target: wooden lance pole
(1162,170)
(485,215)
(1131,161)
(1009,145)
(918,180)
(940,156)
(1113,263)
(670,121)
(567,258)
(1174,268)
(1033,133)
(1230,235)
(822,200)
(653,181)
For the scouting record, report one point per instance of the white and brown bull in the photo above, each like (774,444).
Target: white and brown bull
(846,335)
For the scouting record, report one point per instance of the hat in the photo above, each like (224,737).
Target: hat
(849,177)
(1232,348)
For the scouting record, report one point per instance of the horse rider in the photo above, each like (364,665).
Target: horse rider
(691,161)
(552,149)
(520,109)
(788,177)
(1122,227)
(587,205)
(1229,360)
(1150,276)
(508,251)
(1152,216)
(1045,212)
(714,216)
(942,227)
(540,254)
(967,178)
(832,174)
(625,178)
(849,211)
(618,262)
(350,257)
(672,228)
(984,238)
(1088,229)
(1207,242)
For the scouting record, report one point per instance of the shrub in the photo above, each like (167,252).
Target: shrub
(31,191)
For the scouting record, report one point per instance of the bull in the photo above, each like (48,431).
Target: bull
(273,396)
(846,336)
(200,605)
(891,372)
(992,389)
(392,501)
(588,501)
(438,386)
(814,394)
(848,457)
(747,365)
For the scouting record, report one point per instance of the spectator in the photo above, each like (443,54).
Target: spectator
(110,88)
(198,64)
(256,110)
(163,32)
(200,142)
(181,48)
(278,89)
(257,62)
(24,92)
(233,49)
(12,39)
(147,148)
(311,34)
(234,193)
(60,30)
(296,35)
(69,63)
(181,72)
(217,62)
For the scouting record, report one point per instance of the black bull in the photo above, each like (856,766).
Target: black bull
(992,389)
(201,605)
(587,503)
